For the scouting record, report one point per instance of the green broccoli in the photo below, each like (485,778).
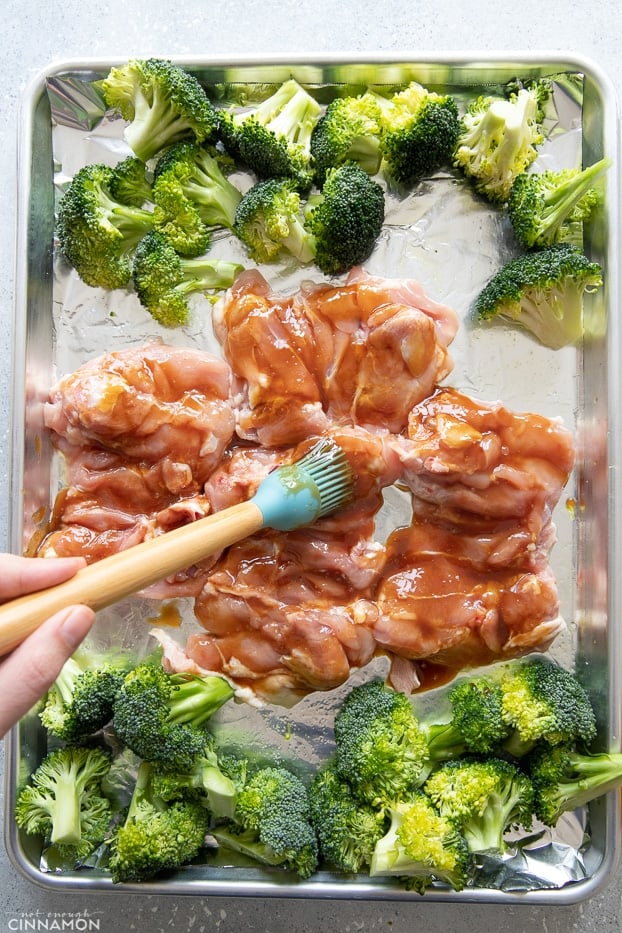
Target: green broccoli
(349,130)
(81,699)
(273,137)
(345,218)
(476,724)
(421,847)
(565,778)
(347,830)
(98,235)
(542,292)
(162,717)
(543,702)
(162,104)
(64,800)
(269,222)
(419,132)
(156,835)
(130,182)
(193,195)
(497,140)
(484,798)
(380,748)
(272,822)
(546,207)
(477,714)
(205,780)
(164,280)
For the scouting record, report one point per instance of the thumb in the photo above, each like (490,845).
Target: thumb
(31,669)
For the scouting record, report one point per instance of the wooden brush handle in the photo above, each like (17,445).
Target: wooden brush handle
(113,578)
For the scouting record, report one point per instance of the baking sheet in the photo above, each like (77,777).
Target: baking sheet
(63,127)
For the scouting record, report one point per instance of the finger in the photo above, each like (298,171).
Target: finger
(19,575)
(31,669)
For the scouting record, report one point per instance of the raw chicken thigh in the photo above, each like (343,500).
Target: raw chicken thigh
(156,436)
(141,431)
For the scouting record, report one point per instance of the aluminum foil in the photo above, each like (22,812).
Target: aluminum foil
(424,233)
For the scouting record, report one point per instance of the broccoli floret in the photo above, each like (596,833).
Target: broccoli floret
(347,830)
(421,847)
(164,280)
(162,717)
(273,138)
(205,780)
(80,701)
(348,131)
(497,140)
(97,234)
(477,714)
(162,103)
(235,767)
(565,778)
(130,183)
(542,292)
(476,726)
(269,222)
(546,207)
(193,195)
(64,800)
(543,702)
(484,798)
(419,133)
(345,218)
(156,835)
(272,822)
(380,748)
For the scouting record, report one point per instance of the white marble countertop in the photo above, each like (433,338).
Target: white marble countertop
(35,34)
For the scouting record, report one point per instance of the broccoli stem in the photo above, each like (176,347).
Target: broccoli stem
(444,741)
(220,791)
(267,109)
(66,680)
(517,747)
(296,120)
(246,843)
(196,699)
(298,242)
(202,274)
(560,200)
(131,222)
(140,791)
(66,827)
(594,776)
(219,201)
(487,832)
(154,121)
(365,150)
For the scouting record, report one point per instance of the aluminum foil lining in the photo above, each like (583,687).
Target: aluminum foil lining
(423,234)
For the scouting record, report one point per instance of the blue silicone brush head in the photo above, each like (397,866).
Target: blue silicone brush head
(297,494)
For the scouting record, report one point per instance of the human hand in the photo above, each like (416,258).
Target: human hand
(27,672)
